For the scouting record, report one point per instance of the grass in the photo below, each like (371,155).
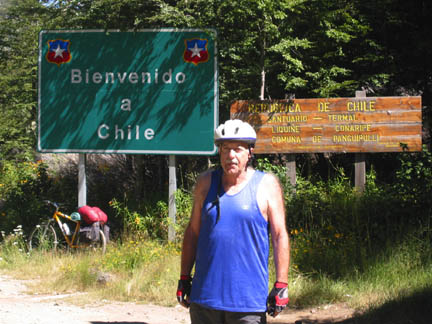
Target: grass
(396,281)
(144,271)
(401,273)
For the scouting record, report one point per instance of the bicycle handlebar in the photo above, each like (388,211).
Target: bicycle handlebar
(54,204)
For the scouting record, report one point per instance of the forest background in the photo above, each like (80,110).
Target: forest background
(274,49)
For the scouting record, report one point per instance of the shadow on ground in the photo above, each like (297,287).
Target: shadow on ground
(121,322)
(415,309)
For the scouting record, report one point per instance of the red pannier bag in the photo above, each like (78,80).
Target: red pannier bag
(88,214)
(103,218)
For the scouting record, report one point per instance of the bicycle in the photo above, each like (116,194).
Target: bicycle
(46,236)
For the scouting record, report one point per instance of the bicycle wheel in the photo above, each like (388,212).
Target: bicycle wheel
(89,244)
(101,244)
(43,237)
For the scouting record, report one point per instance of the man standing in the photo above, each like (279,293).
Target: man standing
(227,238)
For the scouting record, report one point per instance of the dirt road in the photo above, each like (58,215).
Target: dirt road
(18,307)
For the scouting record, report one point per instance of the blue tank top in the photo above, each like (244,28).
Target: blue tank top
(231,268)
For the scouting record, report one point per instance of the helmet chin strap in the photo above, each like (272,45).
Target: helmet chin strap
(216,201)
(249,163)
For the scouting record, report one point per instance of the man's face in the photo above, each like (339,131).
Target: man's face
(234,156)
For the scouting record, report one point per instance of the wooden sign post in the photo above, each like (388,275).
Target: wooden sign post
(342,125)
(360,161)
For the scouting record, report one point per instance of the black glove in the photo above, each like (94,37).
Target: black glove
(277,299)
(184,290)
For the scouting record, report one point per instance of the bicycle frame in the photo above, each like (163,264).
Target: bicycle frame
(71,242)
(46,232)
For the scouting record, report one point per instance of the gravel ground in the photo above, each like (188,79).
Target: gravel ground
(18,307)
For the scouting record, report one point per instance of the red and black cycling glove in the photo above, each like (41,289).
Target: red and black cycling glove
(277,299)
(184,290)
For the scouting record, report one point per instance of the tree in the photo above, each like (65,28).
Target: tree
(403,30)
(20,22)
(341,57)
(266,49)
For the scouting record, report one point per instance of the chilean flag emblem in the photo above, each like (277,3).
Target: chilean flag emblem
(58,51)
(196,51)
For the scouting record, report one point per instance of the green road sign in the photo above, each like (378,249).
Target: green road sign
(149,91)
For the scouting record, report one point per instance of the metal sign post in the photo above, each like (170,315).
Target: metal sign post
(82,181)
(172,210)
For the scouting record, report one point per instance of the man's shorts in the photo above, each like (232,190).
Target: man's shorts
(202,315)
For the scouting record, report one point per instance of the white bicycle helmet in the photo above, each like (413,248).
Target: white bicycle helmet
(235,130)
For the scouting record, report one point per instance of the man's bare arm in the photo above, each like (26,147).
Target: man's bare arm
(190,238)
(279,234)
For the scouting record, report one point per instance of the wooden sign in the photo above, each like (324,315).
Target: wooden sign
(368,124)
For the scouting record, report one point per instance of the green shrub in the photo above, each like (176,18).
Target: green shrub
(13,246)
(148,222)
(184,201)
(22,187)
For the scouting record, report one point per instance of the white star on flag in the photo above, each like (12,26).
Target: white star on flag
(58,51)
(195,50)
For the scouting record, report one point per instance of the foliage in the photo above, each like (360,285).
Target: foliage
(342,56)
(184,201)
(21,185)
(294,47)
(133,254)
(336,231)
(147,271)
(151,222)
(13,245)
(19,26)
(264,164)
(303,48)
(414,179)
(248,38)
(297,48)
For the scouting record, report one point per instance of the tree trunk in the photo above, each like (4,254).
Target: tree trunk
(263,73)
